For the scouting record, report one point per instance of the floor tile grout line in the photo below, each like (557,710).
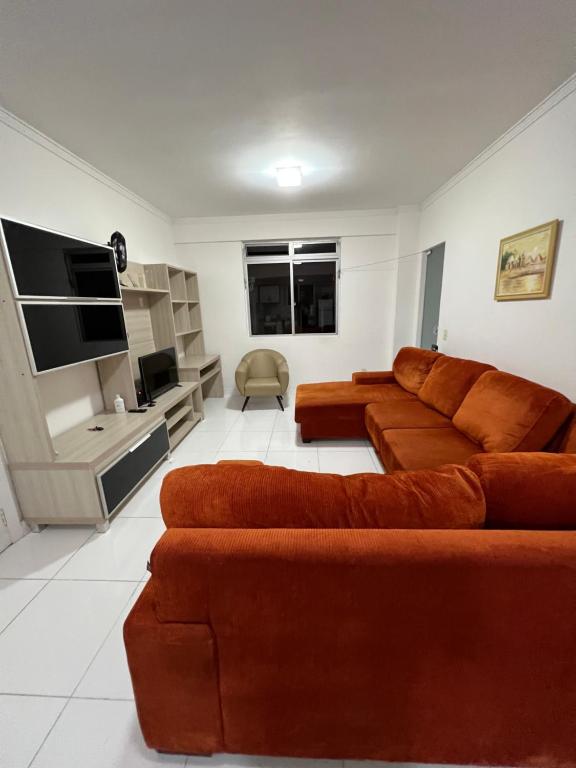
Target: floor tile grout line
(94,533)
(63,696)
(35,755)
(105,639)
(42,588)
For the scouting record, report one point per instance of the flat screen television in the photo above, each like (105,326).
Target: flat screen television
(51,265)
(65,334)
(158,372)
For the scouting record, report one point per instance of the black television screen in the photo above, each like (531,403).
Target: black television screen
(49,264)
(158,372)
(64,334)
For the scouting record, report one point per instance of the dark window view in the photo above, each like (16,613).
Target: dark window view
(292,287)
(315,296)
(269,292)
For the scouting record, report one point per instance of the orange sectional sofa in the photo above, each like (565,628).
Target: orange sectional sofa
(432,409)
(423,616)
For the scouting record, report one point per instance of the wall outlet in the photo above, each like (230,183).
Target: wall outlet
(445,334)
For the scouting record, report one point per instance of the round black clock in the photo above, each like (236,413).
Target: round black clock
(118,243)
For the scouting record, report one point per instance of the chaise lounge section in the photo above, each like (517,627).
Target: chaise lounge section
(433,409)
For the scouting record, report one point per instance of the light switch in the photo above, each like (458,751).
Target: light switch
(445,334)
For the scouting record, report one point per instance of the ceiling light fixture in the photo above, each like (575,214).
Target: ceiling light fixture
(289,176)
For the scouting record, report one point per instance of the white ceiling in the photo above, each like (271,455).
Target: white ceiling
(192,103)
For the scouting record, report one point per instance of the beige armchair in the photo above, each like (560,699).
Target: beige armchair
(262,373)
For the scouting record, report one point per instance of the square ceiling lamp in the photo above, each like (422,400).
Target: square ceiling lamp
(290,176)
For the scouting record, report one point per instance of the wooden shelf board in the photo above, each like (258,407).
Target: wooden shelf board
(179,301)
(197,361)
(178,416)
(127,289)
(188,332)
(81,446)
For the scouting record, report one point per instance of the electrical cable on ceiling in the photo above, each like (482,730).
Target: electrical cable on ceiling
(361,267)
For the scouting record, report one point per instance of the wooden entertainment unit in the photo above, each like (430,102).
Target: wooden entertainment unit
(85,474)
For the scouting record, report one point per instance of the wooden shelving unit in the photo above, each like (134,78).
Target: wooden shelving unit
(85,474)
(164,310)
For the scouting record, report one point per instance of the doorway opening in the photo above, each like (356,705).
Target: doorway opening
(432,297)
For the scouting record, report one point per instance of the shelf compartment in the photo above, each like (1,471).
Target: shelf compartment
(195,316)
(179,414)
(179,432)
(211,372)
(192,287)
(181,317)
(177,284)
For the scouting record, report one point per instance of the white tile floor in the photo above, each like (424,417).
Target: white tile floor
(71,705)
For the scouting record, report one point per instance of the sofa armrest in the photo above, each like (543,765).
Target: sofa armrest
(241,376)
(373,377)
(241,496)
(283,375)
(174,674)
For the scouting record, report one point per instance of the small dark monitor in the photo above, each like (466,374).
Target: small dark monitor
(159,372)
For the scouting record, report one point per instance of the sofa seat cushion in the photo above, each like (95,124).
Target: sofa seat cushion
(425,448)
(505,413)
(528,490)
(237,496)
(263,387)
(336,409)
(411,367)
(449,381)
(410,414)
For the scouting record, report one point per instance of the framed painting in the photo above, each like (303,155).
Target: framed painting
(525,263)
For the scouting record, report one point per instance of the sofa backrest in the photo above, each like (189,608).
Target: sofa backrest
(241,496)
(528,490)
(449,382)
(506,413)
(411,367)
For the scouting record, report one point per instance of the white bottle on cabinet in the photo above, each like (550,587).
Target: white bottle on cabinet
(119,406)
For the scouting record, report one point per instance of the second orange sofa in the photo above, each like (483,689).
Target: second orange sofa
(432,409)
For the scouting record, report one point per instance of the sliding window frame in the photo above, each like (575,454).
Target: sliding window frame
(291,259)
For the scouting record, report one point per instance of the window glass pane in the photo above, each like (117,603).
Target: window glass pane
(269,294)
(267,249)
(315,297)
(314,248)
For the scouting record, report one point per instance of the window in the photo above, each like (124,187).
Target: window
(292,287)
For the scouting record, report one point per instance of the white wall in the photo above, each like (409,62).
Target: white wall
(409,278)
(526,178)
(213,247)
(44,184)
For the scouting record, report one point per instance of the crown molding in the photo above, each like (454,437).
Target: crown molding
(288,226)
(37,137)
(557,96)
(283,217)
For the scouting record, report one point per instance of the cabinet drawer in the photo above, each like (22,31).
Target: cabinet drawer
(119,479)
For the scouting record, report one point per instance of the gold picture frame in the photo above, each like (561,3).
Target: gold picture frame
(526,262)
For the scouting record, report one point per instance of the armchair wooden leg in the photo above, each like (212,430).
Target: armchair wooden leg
(245,404)
(280,403)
